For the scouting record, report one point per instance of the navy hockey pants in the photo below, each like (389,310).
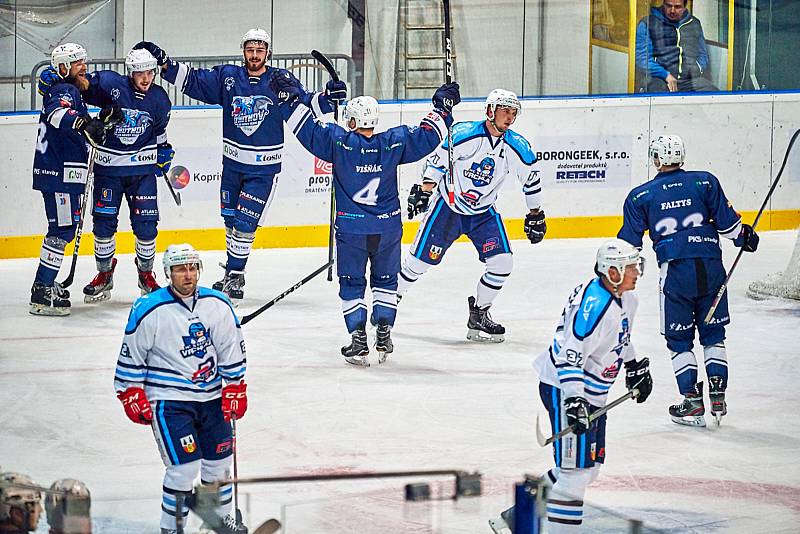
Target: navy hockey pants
(141,193)
(244,198)
(189,430)
(63,212)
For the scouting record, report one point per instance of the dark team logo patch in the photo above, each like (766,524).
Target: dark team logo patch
(481,173)
(197,342)
(106,195)
(248,112)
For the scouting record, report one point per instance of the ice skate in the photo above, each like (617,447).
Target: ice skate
(690,412)
(383,341)
(716,393)
(99,289)
(503,524)
(480,326)
(231,284)
(49,300)
(147,280)
(357,351)
(228,525)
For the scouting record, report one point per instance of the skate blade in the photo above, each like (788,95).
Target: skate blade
(100,297)
(48,311)
(691,420)
(358,361)
(499,526)
(717,417)
(382,355)
(483,337)
(758,296)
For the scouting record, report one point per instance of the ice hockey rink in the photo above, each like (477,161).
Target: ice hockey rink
(440,402)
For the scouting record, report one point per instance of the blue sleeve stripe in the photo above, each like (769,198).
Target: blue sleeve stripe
(562,372)
(601,387)
(530,160)
(233,376)
(233,365)
(597,378)
(181,388)
(130,375)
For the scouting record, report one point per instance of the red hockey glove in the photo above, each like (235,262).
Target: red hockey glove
(136,405)
(234,400)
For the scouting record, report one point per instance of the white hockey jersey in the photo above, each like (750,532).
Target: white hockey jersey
(178,352)
(592,340)
(481,164)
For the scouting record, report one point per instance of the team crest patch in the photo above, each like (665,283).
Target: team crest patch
(490,244)
(481,173)
(197,342)
(134,123)
(248,112)
(188,444)
(434,252)
(107,195)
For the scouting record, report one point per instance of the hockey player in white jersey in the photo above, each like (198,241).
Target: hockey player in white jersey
(181,370)
(484,153)
(590,345)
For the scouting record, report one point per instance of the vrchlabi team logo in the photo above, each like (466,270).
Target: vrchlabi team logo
(248,112)
(434,252)
(481,173)
(196,343)
(134,123)
(179,176)
(189,444)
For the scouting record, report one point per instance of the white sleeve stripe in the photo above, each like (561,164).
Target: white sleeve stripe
(298,117)
(315,105)
(180,78)
(161,139)
(733,231)
(56,116)
(435,126)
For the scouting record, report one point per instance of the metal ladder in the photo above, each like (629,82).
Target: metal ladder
(419,59)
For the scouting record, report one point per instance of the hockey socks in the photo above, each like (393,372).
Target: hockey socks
(104,250)
(50,259)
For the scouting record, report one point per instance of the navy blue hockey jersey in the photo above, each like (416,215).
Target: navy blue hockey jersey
(684,212)
(60,161)
(252,126)
(365,168)
(130,148)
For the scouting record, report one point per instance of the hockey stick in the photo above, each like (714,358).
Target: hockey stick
(325,62)
(79,231)
(175,195)
(235,471)
(724,285)
(247,318)
(594,416)
(448,78)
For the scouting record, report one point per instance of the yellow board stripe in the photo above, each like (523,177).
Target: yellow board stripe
(28,246)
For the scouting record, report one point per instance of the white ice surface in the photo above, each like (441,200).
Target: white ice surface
(440,402)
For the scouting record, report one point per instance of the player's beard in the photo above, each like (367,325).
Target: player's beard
(80,81)
(252,66)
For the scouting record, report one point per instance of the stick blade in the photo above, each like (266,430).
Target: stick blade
(539,435)
(268,527)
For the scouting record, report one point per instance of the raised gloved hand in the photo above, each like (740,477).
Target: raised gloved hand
(136,405)
(47,79)
(447,97)
(418,200)
(164,155)
(111,115)
(747,239)
(92,129)
(637,376)
(577,410)
(286,87)
(535,226)
(234,400)
(161,56)
(336,91)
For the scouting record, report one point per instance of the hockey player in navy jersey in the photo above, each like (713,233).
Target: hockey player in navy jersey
(252,138)
(368,214)
(181,370)
(484,154)
(60,170)
(685,212)
(591,344)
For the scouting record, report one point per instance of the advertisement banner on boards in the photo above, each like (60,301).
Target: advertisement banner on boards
(584,161)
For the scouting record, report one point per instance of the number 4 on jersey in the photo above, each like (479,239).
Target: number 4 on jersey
(368,194)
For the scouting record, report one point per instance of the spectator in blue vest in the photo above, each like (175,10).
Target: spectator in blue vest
(671,53)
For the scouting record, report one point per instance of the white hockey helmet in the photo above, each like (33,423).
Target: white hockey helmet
(140,60)
(17,491)
(364,109)
(256,34)
(618,254)
(503,98)
(67,54)
(669,150)
(67,498)
(183,254)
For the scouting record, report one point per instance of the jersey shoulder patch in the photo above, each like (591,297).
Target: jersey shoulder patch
(594,303)
(464,131)
(207,292)
(521,146)
(146,304)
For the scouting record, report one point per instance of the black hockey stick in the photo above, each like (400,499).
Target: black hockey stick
(594,416)
(247,318)
(448,78)
(175,195)
(724,285)
(79,231)
(325,62)
(235,471)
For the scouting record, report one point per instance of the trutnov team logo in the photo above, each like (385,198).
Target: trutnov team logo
(481,173)
(134,123)
(179,176)
(196,343)
(248,112)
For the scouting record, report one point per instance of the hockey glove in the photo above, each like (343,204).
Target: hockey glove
(285,86)
(164,155)
(637,376)
(535,226)
(417,200)
(136,405)
(336,91)
(161,56)
(47,79)
(111,116)
(577,409)
(748,239)
(92,129)
(234,400)
(447,97)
